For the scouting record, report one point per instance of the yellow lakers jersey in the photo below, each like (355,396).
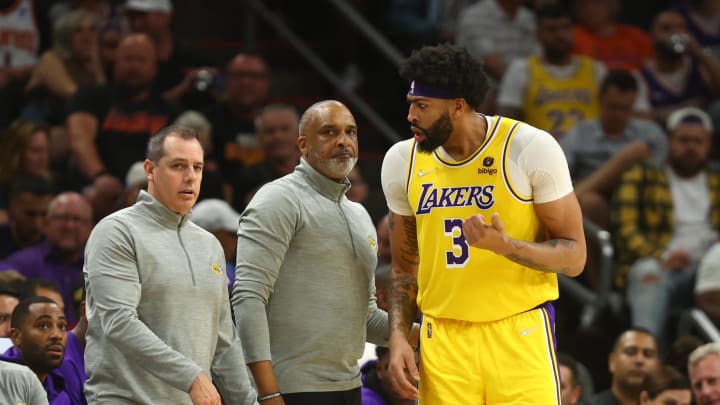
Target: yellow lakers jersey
(556,104)
(456,280)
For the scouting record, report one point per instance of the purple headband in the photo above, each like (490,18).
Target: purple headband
(421,90)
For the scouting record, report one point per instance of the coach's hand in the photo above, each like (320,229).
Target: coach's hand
(203,392)
(402,369)
(481,234)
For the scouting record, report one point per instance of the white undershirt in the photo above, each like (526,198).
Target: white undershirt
(536,167)
(691,210)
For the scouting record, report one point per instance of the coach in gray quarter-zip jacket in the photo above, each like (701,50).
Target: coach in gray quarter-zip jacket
(304,293)
(159,320)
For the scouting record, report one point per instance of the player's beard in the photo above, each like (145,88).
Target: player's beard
(435,136)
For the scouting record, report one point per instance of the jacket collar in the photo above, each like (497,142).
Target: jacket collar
(329,188)
(158,211)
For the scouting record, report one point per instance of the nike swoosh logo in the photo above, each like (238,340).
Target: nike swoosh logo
(525,332)
(422,173)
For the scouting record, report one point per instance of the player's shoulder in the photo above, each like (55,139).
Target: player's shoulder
(525,134)
(399,150)
(519,127)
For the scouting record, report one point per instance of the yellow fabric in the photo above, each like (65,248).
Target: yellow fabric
(455,280)
(511,361)
(557,105)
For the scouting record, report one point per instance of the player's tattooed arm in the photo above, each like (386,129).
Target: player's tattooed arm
(565,251)
(408,248)
(560,244)
(402,301)
(405,259)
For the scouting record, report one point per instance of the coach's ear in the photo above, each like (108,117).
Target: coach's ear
(149,166)
(302,145)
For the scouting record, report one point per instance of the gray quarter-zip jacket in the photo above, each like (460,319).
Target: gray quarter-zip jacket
(158,310)
(304,293)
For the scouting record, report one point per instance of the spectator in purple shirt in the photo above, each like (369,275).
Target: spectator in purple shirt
(72,368)
(39,333)
(60,256)
(376,388)
(73,365)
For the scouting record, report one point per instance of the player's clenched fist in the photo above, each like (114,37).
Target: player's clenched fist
(481,234)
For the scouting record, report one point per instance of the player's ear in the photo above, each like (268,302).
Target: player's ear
(459,106)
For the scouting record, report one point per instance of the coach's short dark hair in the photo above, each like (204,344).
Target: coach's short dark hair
(156,144)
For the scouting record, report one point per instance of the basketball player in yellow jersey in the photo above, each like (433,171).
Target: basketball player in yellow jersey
(555,90)
(482,218)
(558,104)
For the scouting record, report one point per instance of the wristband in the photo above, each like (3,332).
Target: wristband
(269,396)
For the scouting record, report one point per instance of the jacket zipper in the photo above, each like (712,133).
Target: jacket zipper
(187,257)
(347,225)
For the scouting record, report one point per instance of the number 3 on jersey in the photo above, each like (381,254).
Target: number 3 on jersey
(460,254)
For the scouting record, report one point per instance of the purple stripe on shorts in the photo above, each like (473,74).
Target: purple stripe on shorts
(548,306)
(548,310)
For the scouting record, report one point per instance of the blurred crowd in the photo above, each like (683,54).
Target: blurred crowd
(632,97)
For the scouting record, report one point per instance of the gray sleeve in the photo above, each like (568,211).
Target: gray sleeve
(114,292)
(267,227)
(36,394)
(377,325)
(229,372)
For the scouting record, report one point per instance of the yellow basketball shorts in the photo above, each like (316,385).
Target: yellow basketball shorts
(510,361)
